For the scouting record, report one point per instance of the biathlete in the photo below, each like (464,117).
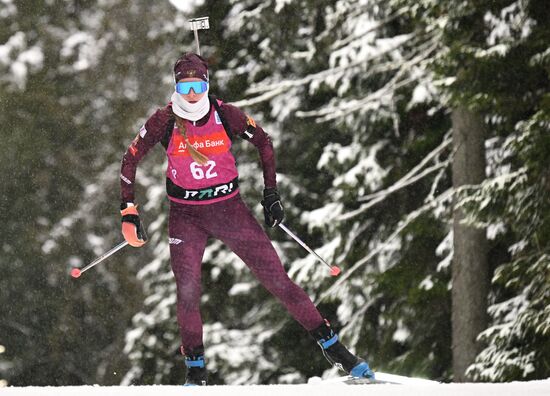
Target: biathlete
(197,131)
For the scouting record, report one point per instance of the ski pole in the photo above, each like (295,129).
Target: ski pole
(76,272)
(334,270)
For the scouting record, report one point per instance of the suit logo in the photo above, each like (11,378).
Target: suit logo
(142,131)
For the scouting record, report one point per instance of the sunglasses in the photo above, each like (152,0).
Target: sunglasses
(185,87)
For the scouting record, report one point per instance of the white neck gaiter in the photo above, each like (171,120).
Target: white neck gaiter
(190,111)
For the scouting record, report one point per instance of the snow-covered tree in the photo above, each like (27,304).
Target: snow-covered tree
(501,50)
(514,200)
(74,84)
(387,65)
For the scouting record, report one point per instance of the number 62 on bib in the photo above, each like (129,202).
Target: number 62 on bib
(199,172)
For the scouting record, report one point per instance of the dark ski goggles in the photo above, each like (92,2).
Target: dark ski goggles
(198,87)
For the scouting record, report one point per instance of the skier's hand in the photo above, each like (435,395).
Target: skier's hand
(132,227)
(273,209)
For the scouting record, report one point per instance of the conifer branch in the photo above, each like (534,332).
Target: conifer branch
(411,177)
(445,196)
(344,108)
(350,39)
(271,90)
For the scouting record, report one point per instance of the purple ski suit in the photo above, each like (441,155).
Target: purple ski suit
(205,202)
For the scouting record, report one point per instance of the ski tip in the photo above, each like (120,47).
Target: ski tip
(335,271)
(75,272)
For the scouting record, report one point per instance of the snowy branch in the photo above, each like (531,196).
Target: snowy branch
(349,40)
(411,177)
(430,204)
(271,90)
(446,196)
(381,195)
(333,112)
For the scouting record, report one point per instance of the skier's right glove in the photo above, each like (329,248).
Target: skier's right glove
(132,227)
(274,213)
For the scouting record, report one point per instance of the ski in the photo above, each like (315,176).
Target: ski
(381,379)
(366,381)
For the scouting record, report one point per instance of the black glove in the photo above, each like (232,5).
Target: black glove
(273,209)
(132,228)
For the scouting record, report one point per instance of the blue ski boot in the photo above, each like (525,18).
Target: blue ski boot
(338,355)
(196,369)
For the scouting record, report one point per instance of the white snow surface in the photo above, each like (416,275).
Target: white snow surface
(315,387)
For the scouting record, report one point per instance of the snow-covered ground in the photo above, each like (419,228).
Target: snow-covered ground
(315,387)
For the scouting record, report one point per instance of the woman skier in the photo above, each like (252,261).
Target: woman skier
(202,186)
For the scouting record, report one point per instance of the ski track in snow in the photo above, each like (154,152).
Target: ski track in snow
(315,387)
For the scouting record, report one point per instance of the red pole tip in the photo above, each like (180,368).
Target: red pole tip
(335,271)
(75,272)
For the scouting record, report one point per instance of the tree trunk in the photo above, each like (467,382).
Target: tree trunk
(470,275)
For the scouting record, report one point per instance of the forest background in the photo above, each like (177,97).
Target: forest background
(412,142)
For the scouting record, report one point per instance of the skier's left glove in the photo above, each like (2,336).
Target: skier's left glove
(132,227)
(274,213)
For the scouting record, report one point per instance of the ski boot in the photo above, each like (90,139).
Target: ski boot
(196,369)
(338,355)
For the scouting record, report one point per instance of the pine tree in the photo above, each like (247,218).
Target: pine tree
(503,43)
(470,278)
(514,200)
